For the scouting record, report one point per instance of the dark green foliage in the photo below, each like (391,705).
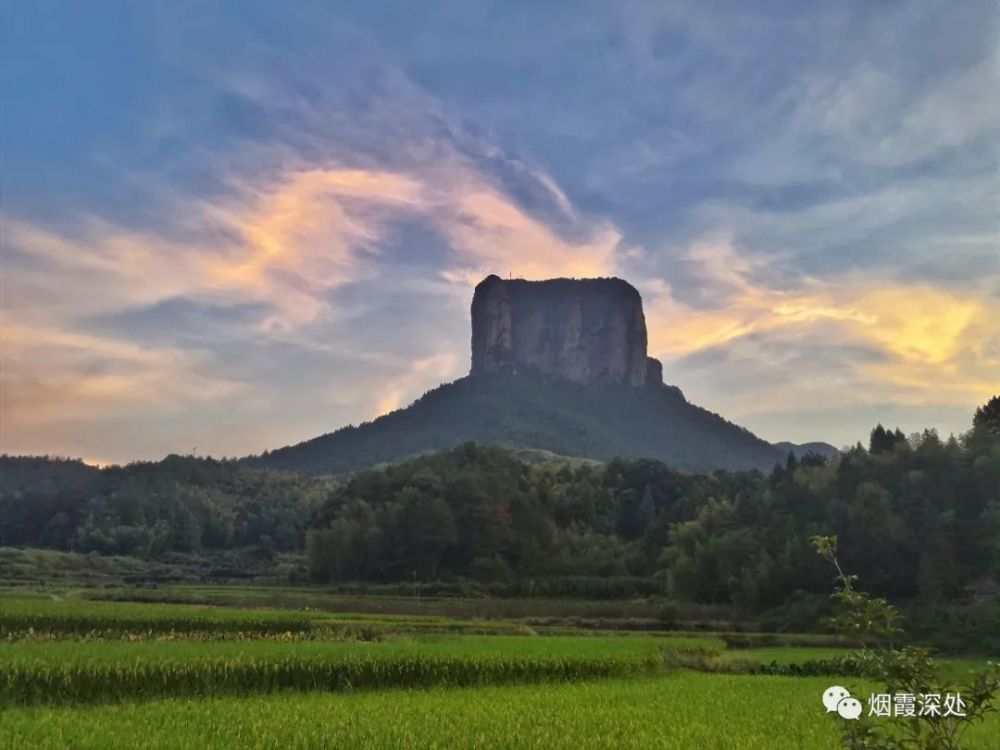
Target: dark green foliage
(952,628)
(42,473)
(885,441)
(986,420)
(180,504)
(875,624)
(473,511)
(919,521)
(844,666)
(524,411)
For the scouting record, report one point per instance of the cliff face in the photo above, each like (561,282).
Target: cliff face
(590,331)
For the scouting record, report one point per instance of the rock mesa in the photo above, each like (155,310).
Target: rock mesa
(586,331)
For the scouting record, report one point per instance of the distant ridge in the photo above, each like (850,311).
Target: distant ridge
(825,450)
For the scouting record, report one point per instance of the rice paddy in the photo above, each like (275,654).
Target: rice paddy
(102,674)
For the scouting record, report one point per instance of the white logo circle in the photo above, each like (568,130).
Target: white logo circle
(849,708)
(834,695)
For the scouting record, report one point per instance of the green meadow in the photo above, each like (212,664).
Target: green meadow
(84,673)
(673,710)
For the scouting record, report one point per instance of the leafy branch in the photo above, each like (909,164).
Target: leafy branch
(876,626)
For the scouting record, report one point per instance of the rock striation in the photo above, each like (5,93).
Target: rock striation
(585,331)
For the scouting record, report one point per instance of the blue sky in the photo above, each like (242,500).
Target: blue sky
(234,225)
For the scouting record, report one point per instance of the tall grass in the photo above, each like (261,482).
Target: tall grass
(33,673)
(22,615)
(680,710)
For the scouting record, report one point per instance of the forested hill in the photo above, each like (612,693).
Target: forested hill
(915,516)
(179,504)
(524,411)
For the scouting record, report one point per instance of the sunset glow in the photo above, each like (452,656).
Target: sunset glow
(303,256)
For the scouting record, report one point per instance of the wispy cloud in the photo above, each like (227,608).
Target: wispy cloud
(879,342)
(282,233)
(281,247)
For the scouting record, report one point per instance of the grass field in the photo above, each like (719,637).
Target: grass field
(453,607)
(20,615)
(783,654)
(78,616)
(683,710)
(77,613)
(107,674)
(34,672)
(561,647)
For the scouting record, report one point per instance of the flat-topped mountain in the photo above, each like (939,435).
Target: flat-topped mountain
(589,331)
(558,366)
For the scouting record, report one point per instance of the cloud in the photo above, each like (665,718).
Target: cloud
(285,247)
(281,233)
(874,117)
(304,235)
(436,369)
(851,340)
(494,235)
(273,257)
(54,376)
(740,306)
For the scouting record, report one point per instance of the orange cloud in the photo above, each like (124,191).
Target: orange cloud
(55,376)
(937,342)
(421,374)
(285,243)
(289,242)
(497,236)
(302,234)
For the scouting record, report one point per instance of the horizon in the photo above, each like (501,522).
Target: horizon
(243,226)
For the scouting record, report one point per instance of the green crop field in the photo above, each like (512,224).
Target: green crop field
(21,615)
(442,606)
(682,710)
(91,671)
(75,672)
(555,647)
(783,654)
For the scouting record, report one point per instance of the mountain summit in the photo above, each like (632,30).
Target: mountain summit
(558,366)
(589,331)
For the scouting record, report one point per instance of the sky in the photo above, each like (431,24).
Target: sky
(231,226)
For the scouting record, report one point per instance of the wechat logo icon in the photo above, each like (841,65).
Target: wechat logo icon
(838,700)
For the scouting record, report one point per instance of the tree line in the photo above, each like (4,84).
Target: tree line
(179,504)
(916,516)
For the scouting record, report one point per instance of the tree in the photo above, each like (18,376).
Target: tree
(986,420)
(877,441)
(59,531)
(266,544)
(645,514)
(882,440)
(875,625)
(428,529)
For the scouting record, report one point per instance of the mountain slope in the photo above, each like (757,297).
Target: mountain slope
(525,411)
